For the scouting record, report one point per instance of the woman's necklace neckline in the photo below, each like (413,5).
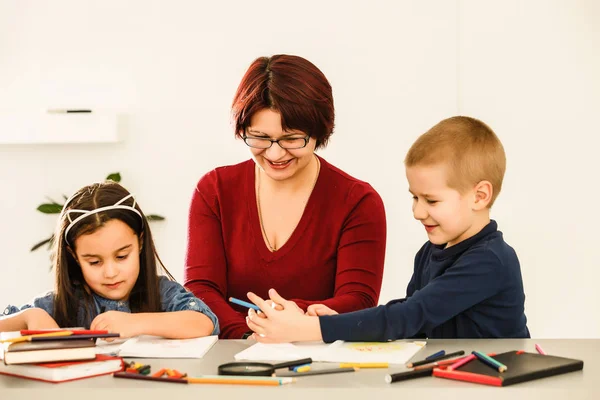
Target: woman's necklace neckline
(260,218)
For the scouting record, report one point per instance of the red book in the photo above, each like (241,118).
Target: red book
(65,371)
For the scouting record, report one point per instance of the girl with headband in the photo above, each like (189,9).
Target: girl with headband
(107,275)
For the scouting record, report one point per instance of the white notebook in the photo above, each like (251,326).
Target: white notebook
(397,352)
(157,347)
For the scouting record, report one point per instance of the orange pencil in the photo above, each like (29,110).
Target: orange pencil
(159,373)
(225,381)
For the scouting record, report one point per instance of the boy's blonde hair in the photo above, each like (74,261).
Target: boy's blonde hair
(470,149)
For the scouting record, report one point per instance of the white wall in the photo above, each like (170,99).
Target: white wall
(532,70)
(397,67)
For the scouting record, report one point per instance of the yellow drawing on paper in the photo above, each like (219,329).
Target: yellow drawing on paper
(376,347)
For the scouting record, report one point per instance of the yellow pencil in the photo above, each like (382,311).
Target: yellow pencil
(364,365)
(28,337)
(226,381)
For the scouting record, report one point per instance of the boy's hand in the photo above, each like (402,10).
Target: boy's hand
(37,318)
(270,303)
(287,325)
(317,310)
(116,322)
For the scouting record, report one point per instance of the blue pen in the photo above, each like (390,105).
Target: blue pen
(438,354)
(244,303)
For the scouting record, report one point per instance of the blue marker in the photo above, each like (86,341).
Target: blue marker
(244,303)
(435,355)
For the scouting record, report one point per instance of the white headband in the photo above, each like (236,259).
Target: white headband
(86,213)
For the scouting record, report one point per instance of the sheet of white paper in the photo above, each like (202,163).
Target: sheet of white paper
(114,347)
(398,352)
(157,347)
(282,351)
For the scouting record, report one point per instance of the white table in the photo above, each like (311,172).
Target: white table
(366,384)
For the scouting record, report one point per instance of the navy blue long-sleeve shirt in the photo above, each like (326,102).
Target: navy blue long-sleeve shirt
(473,289)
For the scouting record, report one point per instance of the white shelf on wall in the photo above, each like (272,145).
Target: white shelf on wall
(58,128)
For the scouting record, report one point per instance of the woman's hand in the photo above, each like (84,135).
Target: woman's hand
(116,322)
(276,326)
(317,310)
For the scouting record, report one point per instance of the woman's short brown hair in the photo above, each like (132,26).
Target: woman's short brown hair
(292,86)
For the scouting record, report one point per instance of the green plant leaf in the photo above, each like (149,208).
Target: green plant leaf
(50,208)
(40,244)
(115,177)
(154,217)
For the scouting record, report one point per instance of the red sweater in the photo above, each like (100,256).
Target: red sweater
(334,256)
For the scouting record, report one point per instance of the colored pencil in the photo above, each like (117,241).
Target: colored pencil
(282,380)
(319,372)
(364,365)
(41,338)
(244,303)
(226,380)
(214,379)
(438,363)
(74,332)
(540,350)
(490,361)
(436,355)
(423,362)
(463,360)
(29,338)
(127,375)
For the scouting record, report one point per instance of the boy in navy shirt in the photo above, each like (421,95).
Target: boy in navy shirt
(467,280)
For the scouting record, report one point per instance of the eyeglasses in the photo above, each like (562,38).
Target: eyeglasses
(285,143)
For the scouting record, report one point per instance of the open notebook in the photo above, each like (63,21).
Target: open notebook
(156,347)
(397,352)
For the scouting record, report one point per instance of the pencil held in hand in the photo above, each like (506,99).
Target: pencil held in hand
(244,303)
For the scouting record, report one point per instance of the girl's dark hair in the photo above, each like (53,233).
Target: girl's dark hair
(292,86)
(70,285)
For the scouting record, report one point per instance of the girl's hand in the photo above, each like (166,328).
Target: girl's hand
(37,318)
(317,310)
(116,322)
(287,325)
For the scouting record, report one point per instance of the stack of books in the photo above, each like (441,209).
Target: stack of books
(55,356)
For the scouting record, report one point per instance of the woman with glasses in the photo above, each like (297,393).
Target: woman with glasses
(286,219)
